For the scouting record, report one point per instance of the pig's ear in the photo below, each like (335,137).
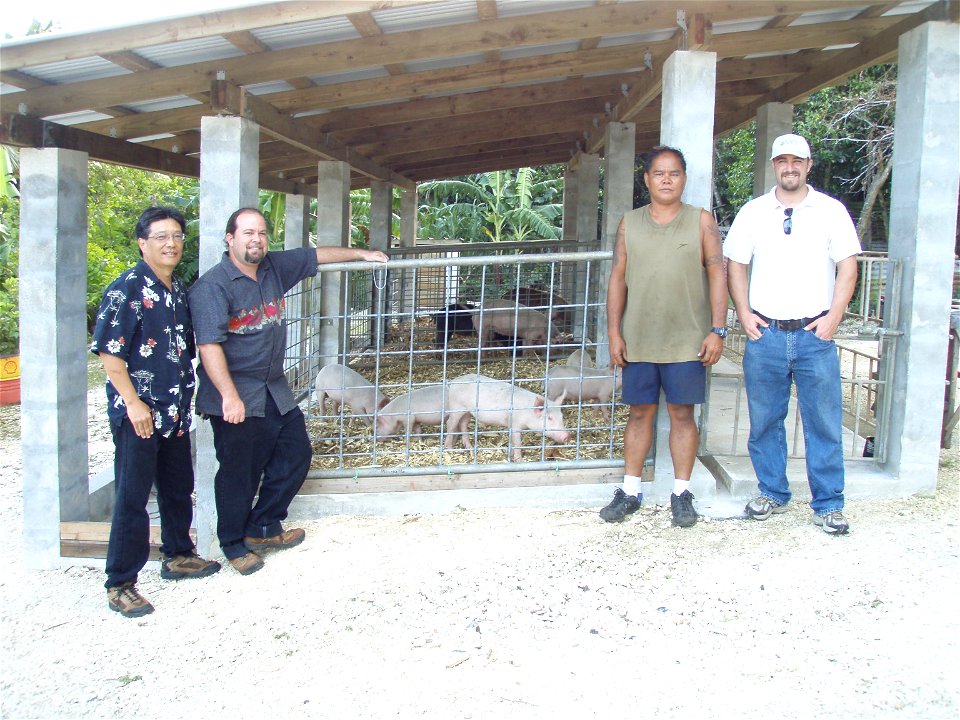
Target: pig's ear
(561,398)
(384,402)
(538,403)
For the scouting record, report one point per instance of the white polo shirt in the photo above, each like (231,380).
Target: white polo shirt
(793,275)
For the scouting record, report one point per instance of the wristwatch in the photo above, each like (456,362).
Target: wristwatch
(721,331)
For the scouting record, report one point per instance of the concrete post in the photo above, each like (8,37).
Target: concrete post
(686,123)
(923,227)
(567,280)
(408,239)
(686,118)
(618,169)
(333,228)
(229,174)
(229,179)
(53,348)
(773,120)
(300,364)
(587,214)
(381,230)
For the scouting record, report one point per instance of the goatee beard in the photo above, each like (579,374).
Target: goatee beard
(248,258)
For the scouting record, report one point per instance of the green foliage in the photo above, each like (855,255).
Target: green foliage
(9,317)
(734,172)
(9,292)
(496,206)
(116,197)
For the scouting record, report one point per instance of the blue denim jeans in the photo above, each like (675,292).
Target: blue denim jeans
(771,364)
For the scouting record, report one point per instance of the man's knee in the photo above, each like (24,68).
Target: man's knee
(680,413)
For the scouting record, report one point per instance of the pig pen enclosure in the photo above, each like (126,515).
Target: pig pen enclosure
(505,311)
(530,315)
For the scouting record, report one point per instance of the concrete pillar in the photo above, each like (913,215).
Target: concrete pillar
(567,279)
(53,348)
(923,227)
(587,214)
(381,231)
(408,239)
(333,228)
(301,363)
(773,120)
(229,179)
(618,170)
(686,118)
(686,123)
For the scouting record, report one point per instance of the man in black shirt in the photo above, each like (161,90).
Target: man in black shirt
(258,431)
(144,338)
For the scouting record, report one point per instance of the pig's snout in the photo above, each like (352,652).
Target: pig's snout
(560,436)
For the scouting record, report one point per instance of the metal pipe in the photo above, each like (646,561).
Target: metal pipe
(465,468)
(483,260)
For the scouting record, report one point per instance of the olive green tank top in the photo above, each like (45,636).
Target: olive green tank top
(668,300)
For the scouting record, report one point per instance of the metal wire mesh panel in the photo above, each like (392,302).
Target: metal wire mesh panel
(410,337)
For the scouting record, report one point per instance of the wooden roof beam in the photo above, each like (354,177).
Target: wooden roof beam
(228,98)
(39,50)
(881,48)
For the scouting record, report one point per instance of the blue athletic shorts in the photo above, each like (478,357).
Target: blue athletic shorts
(683,383)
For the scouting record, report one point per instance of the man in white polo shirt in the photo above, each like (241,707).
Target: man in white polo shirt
(803,247)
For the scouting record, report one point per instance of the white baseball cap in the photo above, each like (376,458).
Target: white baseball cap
(790,145)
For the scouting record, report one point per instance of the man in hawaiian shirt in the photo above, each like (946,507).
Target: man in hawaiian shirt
(144,338)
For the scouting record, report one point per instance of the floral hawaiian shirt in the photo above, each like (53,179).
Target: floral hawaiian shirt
(149,326)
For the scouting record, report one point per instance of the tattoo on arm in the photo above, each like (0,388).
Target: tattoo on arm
(715,259)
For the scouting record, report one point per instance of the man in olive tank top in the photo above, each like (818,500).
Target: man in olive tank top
(666,320)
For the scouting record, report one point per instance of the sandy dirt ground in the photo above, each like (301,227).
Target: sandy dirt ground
(509,613)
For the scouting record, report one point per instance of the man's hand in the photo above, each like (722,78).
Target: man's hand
(141,417)
(234,411)
(618,351)
(751,325)
(373,256)
(710,349)
(824,327)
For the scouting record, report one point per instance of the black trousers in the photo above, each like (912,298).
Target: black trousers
(138,464)
(266,456)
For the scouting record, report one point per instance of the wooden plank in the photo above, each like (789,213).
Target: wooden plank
(467,481)
(39,50)
(26,131)
(91,539)
(842,64)
(227,97)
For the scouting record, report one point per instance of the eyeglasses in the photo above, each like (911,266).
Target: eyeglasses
(163,237)
(787,220)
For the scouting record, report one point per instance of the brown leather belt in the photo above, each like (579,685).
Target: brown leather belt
(789,324)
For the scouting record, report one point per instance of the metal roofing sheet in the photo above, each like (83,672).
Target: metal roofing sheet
(186,52)
(280,37)
(420,17)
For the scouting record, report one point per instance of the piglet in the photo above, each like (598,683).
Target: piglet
(345,386)
(498,403)
(580,358)
(591,384)
(423,406)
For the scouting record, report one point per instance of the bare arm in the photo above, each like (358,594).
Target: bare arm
(826,326)
(215,365)
(138,412)
(712,252)
(617,299)
(737,280)
(334,254)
